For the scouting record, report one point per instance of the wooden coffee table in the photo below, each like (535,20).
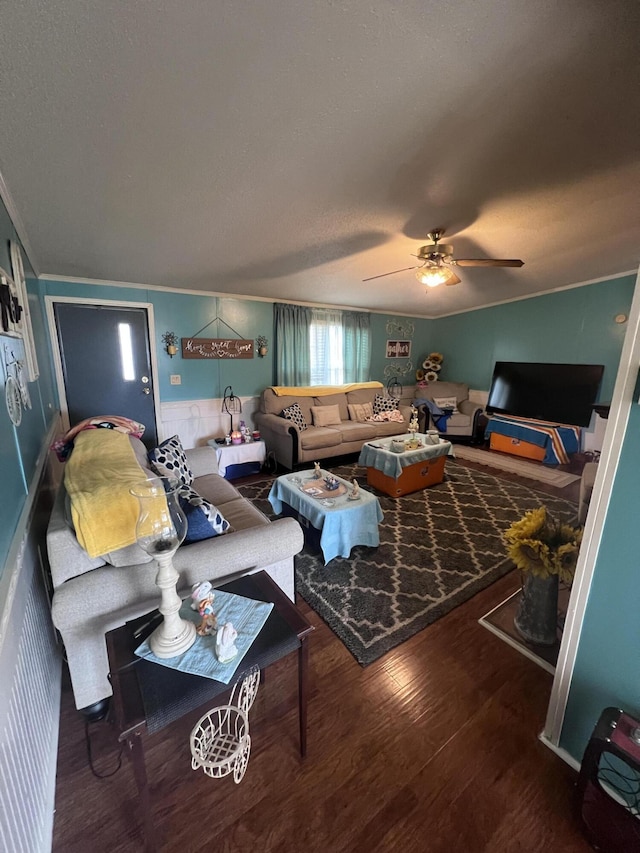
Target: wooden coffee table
(148,696)
(398,474)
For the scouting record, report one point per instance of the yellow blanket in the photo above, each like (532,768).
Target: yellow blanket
(98,476)
(320,390)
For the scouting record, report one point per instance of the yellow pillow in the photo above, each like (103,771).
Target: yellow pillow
(360,411)
(325,415)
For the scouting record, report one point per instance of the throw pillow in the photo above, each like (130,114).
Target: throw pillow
(294,413)
(204,520)
(446,403)
(169,460)
(325,415)
(384,404)
(360,412)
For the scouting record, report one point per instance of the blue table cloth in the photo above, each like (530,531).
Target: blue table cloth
(343,525)
(377,454)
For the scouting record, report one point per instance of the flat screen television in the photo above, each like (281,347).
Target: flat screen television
(564,393)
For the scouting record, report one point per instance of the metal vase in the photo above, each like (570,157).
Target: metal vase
(537,617)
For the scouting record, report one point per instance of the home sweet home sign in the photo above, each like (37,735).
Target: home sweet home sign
(217,348)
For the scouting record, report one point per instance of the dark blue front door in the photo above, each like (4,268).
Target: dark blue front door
(106,363)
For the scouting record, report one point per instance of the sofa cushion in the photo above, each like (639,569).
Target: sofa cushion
(339,400)
(294,414)
(360,412)
(319,437)
(243,515)
(204,520)
(384,404)
(325,415)
(355,431)
(215,489)
(446,403)
(169,460)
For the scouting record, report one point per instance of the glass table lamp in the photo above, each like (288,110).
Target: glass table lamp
(161,528)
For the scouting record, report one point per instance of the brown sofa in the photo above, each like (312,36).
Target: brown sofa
(293,446)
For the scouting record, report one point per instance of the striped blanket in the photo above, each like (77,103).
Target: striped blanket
(558,440)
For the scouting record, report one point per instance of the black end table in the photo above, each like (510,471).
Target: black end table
(148,696)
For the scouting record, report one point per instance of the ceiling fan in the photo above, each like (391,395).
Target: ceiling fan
(437,262)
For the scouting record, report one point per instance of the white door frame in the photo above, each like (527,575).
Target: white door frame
(57,359)
(621,403)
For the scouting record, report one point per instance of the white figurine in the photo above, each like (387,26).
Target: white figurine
(226,648)
(317,473)
(202,596)
(355,492)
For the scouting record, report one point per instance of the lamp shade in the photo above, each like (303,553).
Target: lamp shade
(432,276)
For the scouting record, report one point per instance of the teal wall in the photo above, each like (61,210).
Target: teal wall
(187,314)
(573,326)
(607,669)
(20,446)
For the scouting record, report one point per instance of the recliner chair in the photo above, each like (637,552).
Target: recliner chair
(463,421)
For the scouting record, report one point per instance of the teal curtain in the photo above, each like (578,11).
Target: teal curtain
(356,345)
(291,324)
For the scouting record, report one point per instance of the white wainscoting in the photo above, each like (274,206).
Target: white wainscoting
(196,421)
(30,675)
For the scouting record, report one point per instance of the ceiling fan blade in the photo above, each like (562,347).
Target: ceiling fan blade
(453,279)
(488,262)
(393,272)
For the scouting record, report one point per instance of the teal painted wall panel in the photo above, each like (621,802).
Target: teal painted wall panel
(574,326)
(20,446)
(392,327)
(607,669)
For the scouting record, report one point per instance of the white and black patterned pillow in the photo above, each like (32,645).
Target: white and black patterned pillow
(384,404)
(204,520)
(169,460)
(294,413)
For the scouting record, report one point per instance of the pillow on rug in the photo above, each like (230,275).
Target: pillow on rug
(360,412)
(325,415)
(446,403)
(384,404)
(294,413)
(169,460)
(204,520)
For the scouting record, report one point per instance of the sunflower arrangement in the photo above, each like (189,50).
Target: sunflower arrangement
(543,546)
(431,367)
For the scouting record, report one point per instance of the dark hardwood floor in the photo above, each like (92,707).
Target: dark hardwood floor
(432,748)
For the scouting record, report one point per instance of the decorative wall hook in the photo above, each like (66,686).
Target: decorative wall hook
(170,341)
(262,345)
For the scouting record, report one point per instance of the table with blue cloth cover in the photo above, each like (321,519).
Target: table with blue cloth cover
(397,474)
(343,525)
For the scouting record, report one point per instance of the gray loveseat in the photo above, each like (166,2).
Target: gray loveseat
(293,445)
(463,423)
(93,595)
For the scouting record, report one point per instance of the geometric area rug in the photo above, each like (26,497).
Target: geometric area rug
(438,548)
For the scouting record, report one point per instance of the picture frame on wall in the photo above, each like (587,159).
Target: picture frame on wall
(26,329)
(398,349)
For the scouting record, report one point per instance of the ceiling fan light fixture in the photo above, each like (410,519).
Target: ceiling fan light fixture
(433,276)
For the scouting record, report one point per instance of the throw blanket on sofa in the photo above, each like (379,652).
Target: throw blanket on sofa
(99,473)
(321,390)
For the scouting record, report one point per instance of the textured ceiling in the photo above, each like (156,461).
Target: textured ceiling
(291,148)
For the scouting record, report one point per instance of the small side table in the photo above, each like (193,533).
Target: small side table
(239,460)
(148,696)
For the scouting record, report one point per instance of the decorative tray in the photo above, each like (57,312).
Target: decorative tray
(317,489)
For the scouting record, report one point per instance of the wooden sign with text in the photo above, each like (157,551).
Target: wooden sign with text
(216,348)
(398,349)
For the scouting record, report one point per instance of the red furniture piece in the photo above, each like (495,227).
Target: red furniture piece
(609,784)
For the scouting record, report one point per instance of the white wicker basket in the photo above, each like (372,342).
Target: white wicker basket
(220,742)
